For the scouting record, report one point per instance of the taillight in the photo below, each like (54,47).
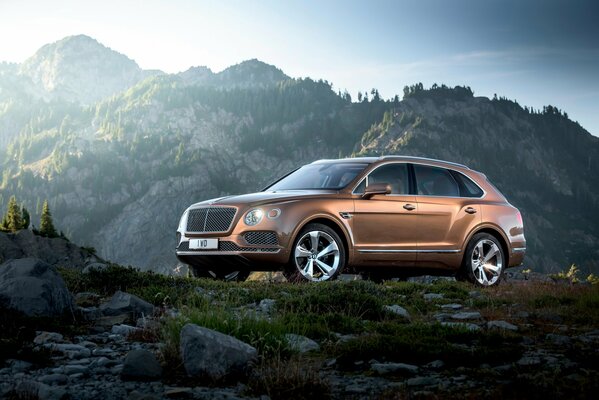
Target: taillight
(519,217)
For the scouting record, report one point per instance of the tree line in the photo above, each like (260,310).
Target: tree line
(18,218)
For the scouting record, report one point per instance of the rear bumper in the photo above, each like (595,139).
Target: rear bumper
(517,256)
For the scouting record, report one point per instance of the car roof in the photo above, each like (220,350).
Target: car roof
(371,160)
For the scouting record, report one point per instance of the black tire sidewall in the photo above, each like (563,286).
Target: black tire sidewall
(292,273)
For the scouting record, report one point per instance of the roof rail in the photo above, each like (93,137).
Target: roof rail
(427,159)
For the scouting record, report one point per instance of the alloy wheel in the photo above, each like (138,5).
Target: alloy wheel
(317,256)
(487,262)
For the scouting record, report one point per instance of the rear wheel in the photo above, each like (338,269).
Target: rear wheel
(318,254)
(484,260)
(227,276)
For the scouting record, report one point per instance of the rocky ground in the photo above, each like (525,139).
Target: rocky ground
(117,333)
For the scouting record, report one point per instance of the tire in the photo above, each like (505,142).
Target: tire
(227,276)
(484,260)
(317,255)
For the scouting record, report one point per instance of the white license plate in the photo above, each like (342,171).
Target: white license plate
(203,244)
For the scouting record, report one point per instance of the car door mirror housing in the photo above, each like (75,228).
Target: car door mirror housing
(376,188)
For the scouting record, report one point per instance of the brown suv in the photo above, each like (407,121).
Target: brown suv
(384,217)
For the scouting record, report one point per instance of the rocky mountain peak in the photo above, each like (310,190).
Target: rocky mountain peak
(79,68)
(251,73)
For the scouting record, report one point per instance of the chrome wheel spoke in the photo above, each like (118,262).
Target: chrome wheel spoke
(314,236)
(309,268)
(493,268)
(323,267)
(491,253)
(302,252)
(330,249)
(479,249)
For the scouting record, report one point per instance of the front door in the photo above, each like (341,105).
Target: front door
(384,225)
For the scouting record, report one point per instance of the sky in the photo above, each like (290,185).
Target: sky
(538,52)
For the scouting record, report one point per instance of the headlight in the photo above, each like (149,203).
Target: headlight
(253,217)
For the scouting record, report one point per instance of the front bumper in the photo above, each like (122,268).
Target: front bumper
(233,252)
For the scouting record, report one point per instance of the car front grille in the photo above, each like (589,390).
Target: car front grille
(210,219)
(261,237)
(224,245)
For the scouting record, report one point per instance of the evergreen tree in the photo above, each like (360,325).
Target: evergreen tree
(46,225)
(26,217)
(14,220)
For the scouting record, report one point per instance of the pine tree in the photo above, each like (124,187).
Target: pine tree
(26,218)
(46,225)
(14,220)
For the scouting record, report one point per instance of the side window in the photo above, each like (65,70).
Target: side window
(467,187)
(395,175)
(360,188)
(435,181)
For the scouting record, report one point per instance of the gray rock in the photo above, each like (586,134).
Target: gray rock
(466,325)
(467,315)
(560,340)
(398,310)
(432,296)
(266,305)
(33,287)
(125,303)
(19,365)
(124,330)
(41,391)
(213,354)
(70,350)
(54,379)
(528,360)
(390,368)
(141,365)
(87,299)
(75,369)
(503,325)
(451,306)
(423,381)
(301,344)
(437,364)
(47,337)
(96,266)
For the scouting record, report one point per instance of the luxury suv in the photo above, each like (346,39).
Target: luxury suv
(382,217)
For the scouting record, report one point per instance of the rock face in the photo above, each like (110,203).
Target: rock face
(125,303)
(141,365)
(54,251)
(33,287)
(207,353)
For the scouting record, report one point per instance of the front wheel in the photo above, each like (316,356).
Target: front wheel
(227,276)
(318,254)
(484,260)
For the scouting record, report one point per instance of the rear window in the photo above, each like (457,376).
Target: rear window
(467,187)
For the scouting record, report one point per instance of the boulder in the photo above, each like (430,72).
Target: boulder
(141,365)
(398,310)
(501,325)
(301,344)
(34,288)
(208,353)
(125,303)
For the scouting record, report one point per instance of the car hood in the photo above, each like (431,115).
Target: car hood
(261,198)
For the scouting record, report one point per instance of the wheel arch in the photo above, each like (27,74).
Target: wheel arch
(494,231)
(331,223)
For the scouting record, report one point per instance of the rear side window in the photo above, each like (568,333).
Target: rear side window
(467,187)
(435,181)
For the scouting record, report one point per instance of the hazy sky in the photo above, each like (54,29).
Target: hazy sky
(538,52)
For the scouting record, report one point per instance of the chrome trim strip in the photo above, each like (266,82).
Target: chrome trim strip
(518,249)
(409,251)
(226,253)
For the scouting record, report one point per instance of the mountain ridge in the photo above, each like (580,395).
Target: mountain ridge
(169,140)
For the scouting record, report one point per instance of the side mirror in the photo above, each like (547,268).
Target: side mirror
(376,188)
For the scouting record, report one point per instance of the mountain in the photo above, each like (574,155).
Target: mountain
(119,170)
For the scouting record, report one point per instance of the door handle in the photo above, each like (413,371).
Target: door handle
(470,210)
(409,207)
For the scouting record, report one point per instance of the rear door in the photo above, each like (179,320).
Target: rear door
(446,215)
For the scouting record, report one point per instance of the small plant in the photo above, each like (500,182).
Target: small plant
(593,279)
(571,276)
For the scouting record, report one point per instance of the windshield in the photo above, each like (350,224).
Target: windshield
(328,176)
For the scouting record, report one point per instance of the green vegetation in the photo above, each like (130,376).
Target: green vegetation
(46,224)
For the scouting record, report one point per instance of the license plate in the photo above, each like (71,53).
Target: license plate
(203,244)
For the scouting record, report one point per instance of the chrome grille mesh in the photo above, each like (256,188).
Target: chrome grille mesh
(210,219)
(224,245)
(261,237)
